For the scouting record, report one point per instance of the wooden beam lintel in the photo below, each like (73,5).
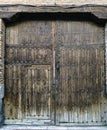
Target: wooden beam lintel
(8,11)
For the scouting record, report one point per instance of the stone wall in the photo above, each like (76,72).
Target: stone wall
(106,53)
(2,37)
(53,2)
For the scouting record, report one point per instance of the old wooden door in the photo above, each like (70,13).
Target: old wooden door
(55,73)
(28,71)
(80,73)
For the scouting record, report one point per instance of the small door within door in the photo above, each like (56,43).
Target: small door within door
(36,92)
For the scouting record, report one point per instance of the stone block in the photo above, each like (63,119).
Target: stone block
(0,106)
(1,91)
(1,120)
(1,113)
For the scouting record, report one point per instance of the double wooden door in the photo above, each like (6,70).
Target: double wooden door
(54,73)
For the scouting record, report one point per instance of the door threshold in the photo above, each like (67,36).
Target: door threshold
(27,127)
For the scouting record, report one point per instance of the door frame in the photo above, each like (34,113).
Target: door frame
(10,14)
